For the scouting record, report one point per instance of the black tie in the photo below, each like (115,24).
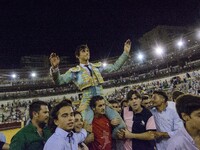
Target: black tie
(89,69)
(70,134)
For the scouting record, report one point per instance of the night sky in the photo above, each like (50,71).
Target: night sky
(37,27)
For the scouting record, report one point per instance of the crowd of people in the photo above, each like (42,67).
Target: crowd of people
(153,121)
(148,116)
(131,72)
(111,82)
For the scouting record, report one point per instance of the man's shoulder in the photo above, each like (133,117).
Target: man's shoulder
(55,141)
(171,111)
(127,112)
(147,113)
(99,64)
(75,69)
(25,129)
(23,132)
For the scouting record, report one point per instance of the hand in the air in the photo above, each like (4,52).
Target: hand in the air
(127,46)
(54,60)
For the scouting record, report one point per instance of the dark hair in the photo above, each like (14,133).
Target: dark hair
(145,97)
(79,48)
(187,104)
(68,101)
(113,102)
(54,114)
(162,93)
(130,94)
(176,94)
(76,113)
(35,107)
(94,99)
(124,101)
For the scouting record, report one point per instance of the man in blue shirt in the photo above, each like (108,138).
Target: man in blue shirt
(166,119)
(188,137)
(2,137)
(62,123)
(3,144)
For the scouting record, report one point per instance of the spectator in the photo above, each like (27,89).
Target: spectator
(117,144)
(62,124)
(139,121)
(124,103)
(187,137)
(78,125)
(176,94)
(116,106)
(34,135)
(101,125)
(166,119)
(146,102)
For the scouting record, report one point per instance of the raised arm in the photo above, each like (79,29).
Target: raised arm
(54,60)
(127,46)
(55,73)
(121,60)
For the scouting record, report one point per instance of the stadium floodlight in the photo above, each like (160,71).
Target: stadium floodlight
(198,34)
(140,56)
(13,75)
(180,43)
(33,74)
(159,50)
(104,64)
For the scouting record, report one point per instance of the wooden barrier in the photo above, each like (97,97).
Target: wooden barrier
(9,129)
(9,125)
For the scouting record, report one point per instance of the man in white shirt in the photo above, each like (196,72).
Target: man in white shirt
(62,123)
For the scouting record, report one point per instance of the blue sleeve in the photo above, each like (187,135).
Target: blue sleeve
(2,137)
(117,65)
(177,122)
(80,137)
(60,79)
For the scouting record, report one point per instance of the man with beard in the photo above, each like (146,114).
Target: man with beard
(34,135)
